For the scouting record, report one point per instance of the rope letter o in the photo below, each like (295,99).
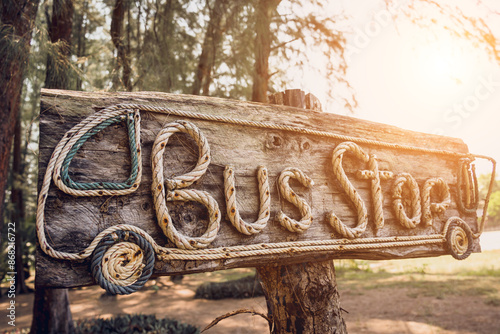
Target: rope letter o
(401,180)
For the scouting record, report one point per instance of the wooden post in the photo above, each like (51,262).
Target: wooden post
(302,298)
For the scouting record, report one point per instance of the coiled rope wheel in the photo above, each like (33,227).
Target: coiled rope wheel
(459,238)
(122,262)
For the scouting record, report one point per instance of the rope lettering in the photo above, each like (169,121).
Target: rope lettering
(401,180)
(232,210)
(286,191)
(428,208)
(174,185)
(373,174)
(123,255)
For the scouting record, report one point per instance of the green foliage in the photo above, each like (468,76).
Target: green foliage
(439,277)
(133,324)
(483,180)
(245,287)
(494,209)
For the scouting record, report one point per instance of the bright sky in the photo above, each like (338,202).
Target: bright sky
(423,80)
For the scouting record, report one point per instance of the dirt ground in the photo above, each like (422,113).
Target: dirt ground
(385,310)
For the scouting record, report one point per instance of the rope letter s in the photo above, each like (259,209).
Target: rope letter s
(286,191)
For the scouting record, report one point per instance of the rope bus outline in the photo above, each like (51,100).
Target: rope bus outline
(123,256)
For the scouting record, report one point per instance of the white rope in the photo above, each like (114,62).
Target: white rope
(346,185)
(232,207)
(428,208)
(375,176)
(122,263)
(161,141)
(160,196)
(287,193)
(416,214)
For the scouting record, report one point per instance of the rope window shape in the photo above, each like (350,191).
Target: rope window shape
(90,124)
(174,185)
(232,207)
(287,193)
(62,178)
(77,136)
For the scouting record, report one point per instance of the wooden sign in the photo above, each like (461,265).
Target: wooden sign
(135,184)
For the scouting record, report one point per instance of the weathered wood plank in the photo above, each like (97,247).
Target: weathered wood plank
(72,223)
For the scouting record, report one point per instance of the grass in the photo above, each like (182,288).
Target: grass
(438,277)
(225,275)
(479,275)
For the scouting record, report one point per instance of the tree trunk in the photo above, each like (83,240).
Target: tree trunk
(51,312)
(303,298)
(263,39)
(167,29)
(60,37)
(81,41)
(17,18)
(211,44)
(18,210)
(123,61)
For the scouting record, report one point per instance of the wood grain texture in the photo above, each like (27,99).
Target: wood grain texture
(303,298)
(72,223)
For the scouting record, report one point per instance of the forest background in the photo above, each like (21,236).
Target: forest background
(232,49)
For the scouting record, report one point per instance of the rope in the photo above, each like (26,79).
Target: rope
(68,182)
(443,192)
(210,234)
(352,194)
(402,179)
(468,191)
(117,262)
(78,136)
(482,222)
(375,176)
(458,238)
(161,142)
(287,193)
(175,184)
(60,152)
(232,207)
(278,126)
(65,150)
